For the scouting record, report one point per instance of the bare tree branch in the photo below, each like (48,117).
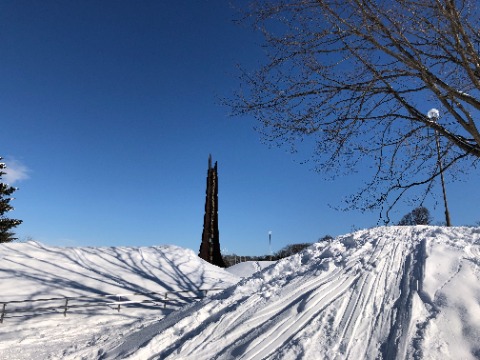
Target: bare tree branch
(358,78)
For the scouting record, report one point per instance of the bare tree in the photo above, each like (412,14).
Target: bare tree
(418,216)
(362,78)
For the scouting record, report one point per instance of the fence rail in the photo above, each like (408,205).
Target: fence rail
(24,308)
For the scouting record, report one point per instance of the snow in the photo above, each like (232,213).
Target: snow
(32,271)
(248,268)
(388,292)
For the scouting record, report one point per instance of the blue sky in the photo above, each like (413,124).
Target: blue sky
(109,110)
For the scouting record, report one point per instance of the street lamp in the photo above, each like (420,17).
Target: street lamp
(270,243)
(434,114)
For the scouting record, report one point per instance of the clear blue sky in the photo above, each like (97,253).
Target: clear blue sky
(109,110)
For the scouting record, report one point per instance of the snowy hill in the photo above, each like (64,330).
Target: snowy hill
(42,270)
(390,292)
(35,271)
(248,268)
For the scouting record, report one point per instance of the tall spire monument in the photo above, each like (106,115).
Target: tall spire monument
(210,246)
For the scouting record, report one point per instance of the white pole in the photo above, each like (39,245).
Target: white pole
(270,243)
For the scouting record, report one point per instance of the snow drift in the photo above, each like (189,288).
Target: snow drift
(32,271)
(39,270)
(389,292)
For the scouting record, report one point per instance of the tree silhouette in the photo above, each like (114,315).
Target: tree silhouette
(371,83)
(418,216)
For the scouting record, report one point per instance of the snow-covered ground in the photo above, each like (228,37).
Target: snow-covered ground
(389,292)
(34,271)
(248,268)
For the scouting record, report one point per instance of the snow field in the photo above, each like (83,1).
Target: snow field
(383,293)
(359,296)
(32,270)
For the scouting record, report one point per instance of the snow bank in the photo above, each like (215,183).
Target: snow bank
(248,268)
(32,271)
(380,293)
(40,270)
(384,293)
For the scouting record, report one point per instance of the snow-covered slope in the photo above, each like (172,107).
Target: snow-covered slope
(41,270)
(391,293)
(248,268)
(32,271)
(384,293)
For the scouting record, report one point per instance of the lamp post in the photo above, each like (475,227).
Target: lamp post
(440,166)
(434,114)
(270,243)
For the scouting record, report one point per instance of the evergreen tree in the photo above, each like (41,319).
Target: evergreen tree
(6,224)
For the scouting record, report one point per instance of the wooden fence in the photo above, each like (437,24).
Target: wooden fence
(43,306)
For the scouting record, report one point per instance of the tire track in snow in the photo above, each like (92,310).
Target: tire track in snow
(397,342)
(347,315)
(376,311)
(307,286)
(359,273)
(278,311)
(351,314)
(297,299)
(384,287)
(227,326)
(309,314)
(356,314)
(274,332)
(290,297)
(365,284)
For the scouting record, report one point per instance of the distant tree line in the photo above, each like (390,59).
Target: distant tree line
(418,216)
(286,251)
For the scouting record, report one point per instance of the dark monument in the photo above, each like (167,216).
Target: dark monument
(210,246)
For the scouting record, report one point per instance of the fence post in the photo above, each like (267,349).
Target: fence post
(3,313)
(66,308)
